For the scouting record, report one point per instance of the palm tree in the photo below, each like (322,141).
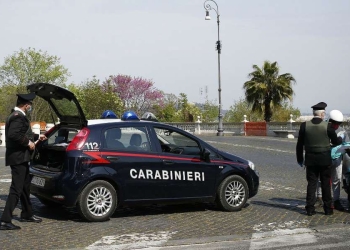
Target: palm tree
(267,88)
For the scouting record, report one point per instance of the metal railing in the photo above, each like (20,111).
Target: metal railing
(237,128)
(231,128)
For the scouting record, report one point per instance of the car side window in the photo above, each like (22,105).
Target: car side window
(112,139)
(176,143)
(212,154)
(127,138)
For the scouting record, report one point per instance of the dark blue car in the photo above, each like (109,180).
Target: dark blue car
(100,165)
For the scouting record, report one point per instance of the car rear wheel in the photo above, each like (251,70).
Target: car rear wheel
(232,193)
(98,201)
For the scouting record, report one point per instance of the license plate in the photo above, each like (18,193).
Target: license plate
(38,181)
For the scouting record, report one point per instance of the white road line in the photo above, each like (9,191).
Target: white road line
(274,226)
(282,238)
(326,246)
(132,241)
(250,146)
(5,180)
(268,186)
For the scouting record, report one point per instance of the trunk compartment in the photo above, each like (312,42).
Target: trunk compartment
(50,155)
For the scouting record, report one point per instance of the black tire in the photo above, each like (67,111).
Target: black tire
(49,203)
(232,193)
(98,201)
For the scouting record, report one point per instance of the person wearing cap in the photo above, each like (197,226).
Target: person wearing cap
(19,147)
(315,136)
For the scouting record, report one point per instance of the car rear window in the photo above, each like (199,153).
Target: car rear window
(62,136)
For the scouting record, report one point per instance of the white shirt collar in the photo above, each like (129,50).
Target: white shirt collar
(18,109)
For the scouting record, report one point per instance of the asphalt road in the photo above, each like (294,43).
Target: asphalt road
(274,219)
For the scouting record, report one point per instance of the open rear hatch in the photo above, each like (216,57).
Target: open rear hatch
(62,101)
(50,155)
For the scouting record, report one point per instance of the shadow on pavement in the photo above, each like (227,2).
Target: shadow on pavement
(53,212)
(166,209)
(62,213)
(161,209)
(289,204)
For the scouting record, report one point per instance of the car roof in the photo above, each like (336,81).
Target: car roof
(97,122)
(103,121)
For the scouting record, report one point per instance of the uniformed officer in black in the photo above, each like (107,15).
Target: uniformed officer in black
(315,137)
(19,146)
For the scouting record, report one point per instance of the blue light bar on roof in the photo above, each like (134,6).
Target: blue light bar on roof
(129,116)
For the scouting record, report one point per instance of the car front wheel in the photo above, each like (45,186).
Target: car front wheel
(232,193)
(97,201)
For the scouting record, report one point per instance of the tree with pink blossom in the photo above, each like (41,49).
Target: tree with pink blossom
(137,94)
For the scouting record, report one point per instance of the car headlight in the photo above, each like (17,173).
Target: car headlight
(251,165)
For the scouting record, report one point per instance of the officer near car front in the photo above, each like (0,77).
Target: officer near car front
(315,137)
(19,147)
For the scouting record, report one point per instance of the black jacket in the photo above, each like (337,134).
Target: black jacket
(320,158)
(17,134)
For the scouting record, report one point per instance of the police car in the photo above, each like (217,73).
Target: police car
(100,165)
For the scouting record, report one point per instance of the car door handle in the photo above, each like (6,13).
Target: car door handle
(168,162)
(112,158)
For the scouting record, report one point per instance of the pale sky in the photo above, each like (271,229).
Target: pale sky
(169,42)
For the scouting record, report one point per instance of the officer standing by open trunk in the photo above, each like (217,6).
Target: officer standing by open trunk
(19,147)
(315,137)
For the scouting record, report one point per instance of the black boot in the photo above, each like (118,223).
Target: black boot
(310,213)
(338,206)
(328,210)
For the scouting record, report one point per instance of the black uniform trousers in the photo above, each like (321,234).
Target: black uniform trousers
(19,190)
(312,175)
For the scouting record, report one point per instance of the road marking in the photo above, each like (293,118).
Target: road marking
(5,180)
(250,146)
(268,186)
(329,246)
(272,226)
(282,238)
(132,241)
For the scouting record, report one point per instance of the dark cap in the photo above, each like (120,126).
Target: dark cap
(24,98)
(319,106)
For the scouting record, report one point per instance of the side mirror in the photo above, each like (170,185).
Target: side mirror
(205,155)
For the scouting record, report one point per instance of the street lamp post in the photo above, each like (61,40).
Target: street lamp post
(208,7)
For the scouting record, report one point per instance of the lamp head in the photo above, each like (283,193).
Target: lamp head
(207,17)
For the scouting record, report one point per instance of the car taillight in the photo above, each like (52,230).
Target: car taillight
(79,140)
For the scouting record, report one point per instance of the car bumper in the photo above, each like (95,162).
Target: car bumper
(255,184)
(51,187)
